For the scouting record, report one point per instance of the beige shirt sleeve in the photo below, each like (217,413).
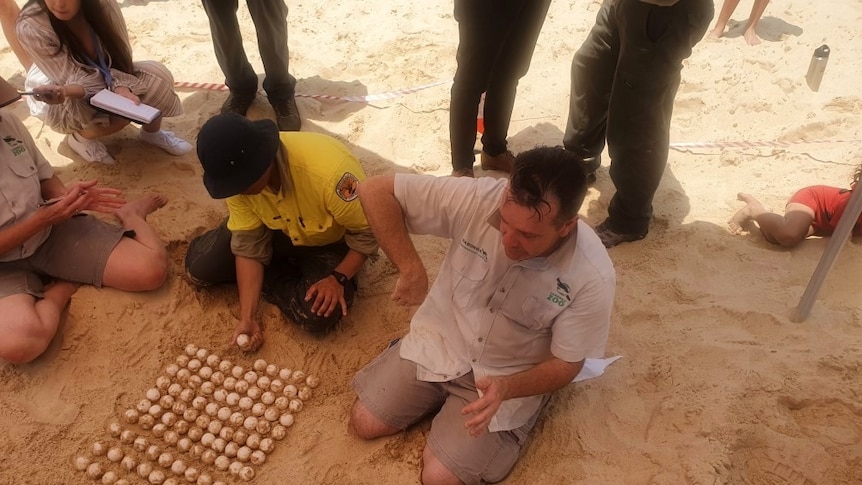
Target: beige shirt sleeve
(255,244)
(362,242)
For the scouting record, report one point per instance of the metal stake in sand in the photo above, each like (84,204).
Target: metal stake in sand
(830,254)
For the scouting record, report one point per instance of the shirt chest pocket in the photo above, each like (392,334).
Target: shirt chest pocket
(26,178)
(531,312)
(468,272)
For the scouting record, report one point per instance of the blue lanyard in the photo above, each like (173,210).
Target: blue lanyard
(102,65)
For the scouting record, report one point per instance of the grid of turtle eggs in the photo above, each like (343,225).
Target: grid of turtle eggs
(204,409)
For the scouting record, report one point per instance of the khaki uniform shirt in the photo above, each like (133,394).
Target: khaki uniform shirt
(22,170)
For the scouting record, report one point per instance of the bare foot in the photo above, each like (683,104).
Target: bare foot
(247,336)
(751,37)
(142,207)
(752,208)
(716,33)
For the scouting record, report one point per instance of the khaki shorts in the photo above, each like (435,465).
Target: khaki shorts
(388,388)
(76,250)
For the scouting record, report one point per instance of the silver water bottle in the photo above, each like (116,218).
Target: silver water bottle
(817,67)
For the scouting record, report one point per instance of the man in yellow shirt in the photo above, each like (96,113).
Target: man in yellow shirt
(295,232)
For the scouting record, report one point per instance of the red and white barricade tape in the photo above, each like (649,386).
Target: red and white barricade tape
(751,144)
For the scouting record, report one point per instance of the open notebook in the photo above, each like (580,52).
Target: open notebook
(114,103)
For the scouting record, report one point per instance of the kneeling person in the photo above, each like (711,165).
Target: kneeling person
(295,232)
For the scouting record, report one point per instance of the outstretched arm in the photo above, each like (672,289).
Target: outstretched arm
(386,218)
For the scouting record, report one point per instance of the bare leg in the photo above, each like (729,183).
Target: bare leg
(153,127)
(756,12)
(139,264)
(435,472)
(9,12)
(723,17)
(116,125)
(787,230)
(366,425)
(28,326)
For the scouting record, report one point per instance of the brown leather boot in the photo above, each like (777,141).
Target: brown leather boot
(503,162)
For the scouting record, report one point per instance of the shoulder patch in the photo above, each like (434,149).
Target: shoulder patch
(346,187)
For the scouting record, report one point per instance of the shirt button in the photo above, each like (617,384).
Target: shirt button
(319,227)
(296,239)
(491,310)
(502,290)
(474,360)
(481,339)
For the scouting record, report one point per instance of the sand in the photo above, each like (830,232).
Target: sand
(717,385)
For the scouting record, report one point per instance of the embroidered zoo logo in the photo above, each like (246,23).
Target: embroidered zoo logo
(15,144)
(346,187)
(474,249)
(560,295)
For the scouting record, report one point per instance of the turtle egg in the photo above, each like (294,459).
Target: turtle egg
(170,481)
(204,479)
(211,408)
(282,402)
(165,460)
(234,468)
(175,389)
(271,370)
(167,401)
(191,350)
(267,398)
(226,433)
(127,437)
(217,378)
(213,360)
(263,383)
(278,432)
(144,469)
(182,427)
(297,376)
(258,409)
(115,455)
(254,392)
(250,423)
(123,481)
(225,366)
(199,402)
(94,470)
(156,411)
(163,382)
(172,369)
(195,381)
(208,457)
(159,429)
(183,375)
(246,473)
(240,436)
(146,421)
(241,386)
(191,414)
(184,444)
(243,454)
(207,388)
(129,463)
(218,445)
(187,395)
(246,403)
(250,377)
(272,414)
(232,399)
(109,477)
(207,439)
(263,426)
(243,341)
(140,444)
(195,433)
(237,372)
(214,426)
(224,413)
(295,405)
(266,445)
(203,421)
(143,405)
(222,462)
(290,391)
(81,463)
(115,429)
(191,474)
(169,419)
(178,467)
(276,386)
(153,394)
(156,477)
(229,383)
(253,441)
(304,393)
(153,452)
(284,374)
(182,361)
(179,408)
(312,381)
(194,365)
(230,449)
(286,420)
(202,354)
(172,437)
(236,419)
(258,457)
(198,449)
(205,373)
(259,365)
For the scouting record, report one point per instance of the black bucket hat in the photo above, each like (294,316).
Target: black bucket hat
(235,152)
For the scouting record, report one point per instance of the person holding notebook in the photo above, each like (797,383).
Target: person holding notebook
(78,48)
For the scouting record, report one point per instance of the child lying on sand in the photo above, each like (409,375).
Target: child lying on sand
(812,211)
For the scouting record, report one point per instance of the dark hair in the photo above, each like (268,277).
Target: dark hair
(549,172)
(108,33)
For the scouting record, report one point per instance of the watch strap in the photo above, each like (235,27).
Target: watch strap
(341,278)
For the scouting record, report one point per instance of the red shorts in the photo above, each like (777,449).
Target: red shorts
(828,203)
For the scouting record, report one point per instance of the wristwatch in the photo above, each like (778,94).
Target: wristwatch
(341,278)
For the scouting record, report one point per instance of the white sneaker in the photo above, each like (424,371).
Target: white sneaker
(167,141)
(89,150)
